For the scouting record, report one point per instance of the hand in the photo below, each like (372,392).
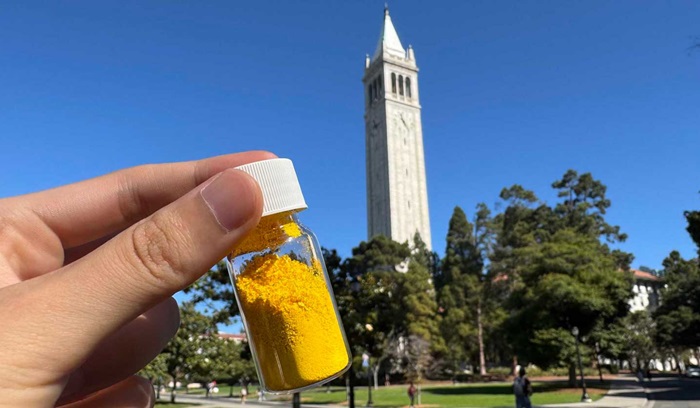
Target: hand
(87,271)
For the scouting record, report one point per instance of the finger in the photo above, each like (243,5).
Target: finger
(134,392)
(71,255)
(85,211)
(125,352)
(143,265)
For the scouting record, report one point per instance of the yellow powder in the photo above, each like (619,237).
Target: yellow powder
(291,229)
(291,320)
(267,234)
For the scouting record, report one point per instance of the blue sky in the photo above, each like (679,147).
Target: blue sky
(512,92)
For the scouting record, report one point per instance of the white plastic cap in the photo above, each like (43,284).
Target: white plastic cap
(279,185)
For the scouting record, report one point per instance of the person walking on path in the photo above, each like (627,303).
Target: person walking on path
(244,392)
(412,393)
(522,388)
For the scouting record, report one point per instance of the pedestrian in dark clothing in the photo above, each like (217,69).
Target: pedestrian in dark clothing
(412,393)
(522,388)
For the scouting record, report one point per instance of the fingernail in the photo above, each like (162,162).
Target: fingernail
(232,199)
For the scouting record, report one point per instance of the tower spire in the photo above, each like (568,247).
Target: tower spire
(388,39)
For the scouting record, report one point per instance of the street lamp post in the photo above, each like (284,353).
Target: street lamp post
(584,396)
(369,384)
(351,381)
(369,329)
(354,288)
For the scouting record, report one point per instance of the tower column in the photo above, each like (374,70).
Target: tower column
(397,197)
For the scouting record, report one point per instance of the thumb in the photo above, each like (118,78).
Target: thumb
(149,261)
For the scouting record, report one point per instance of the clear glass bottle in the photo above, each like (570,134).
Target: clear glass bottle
(283,291)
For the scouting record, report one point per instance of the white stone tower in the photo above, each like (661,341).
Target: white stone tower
(397,195)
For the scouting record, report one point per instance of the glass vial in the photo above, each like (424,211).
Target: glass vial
(283,291)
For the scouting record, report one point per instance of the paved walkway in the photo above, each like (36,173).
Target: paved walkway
(674,392)
(625,392)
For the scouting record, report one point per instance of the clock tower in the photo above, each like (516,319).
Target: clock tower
(397,195)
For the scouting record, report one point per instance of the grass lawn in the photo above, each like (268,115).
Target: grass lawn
(472,395)
(224,391)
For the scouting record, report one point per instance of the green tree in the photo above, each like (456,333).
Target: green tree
(192,351)
(671,328)
(380,254)
(346,289)
(678,316)
(417,298)
(234,363)
(372,312)
(566,282)
(455,284)
(469,294)
(521,223)
(518,225)
(486,300)
(639,335)
(419,326)
(693,228)
(584,206)
(425,257)
(609,341)
(415,356)
(559,273)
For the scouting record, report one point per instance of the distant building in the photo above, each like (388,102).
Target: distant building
(647,296)
(237,338)
(646,289)
(397,195)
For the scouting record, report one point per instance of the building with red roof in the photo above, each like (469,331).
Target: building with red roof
(235,337)
(646,289)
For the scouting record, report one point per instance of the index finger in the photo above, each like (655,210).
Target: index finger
(82,212)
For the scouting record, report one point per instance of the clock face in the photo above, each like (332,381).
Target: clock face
(374,122)
(407,120)
(404,123)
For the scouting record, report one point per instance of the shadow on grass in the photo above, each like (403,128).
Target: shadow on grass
(323,391)
(479,389)
(502,389)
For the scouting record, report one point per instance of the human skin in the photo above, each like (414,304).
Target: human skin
(87,272)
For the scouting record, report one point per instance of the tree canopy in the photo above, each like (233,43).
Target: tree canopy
(559,269)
